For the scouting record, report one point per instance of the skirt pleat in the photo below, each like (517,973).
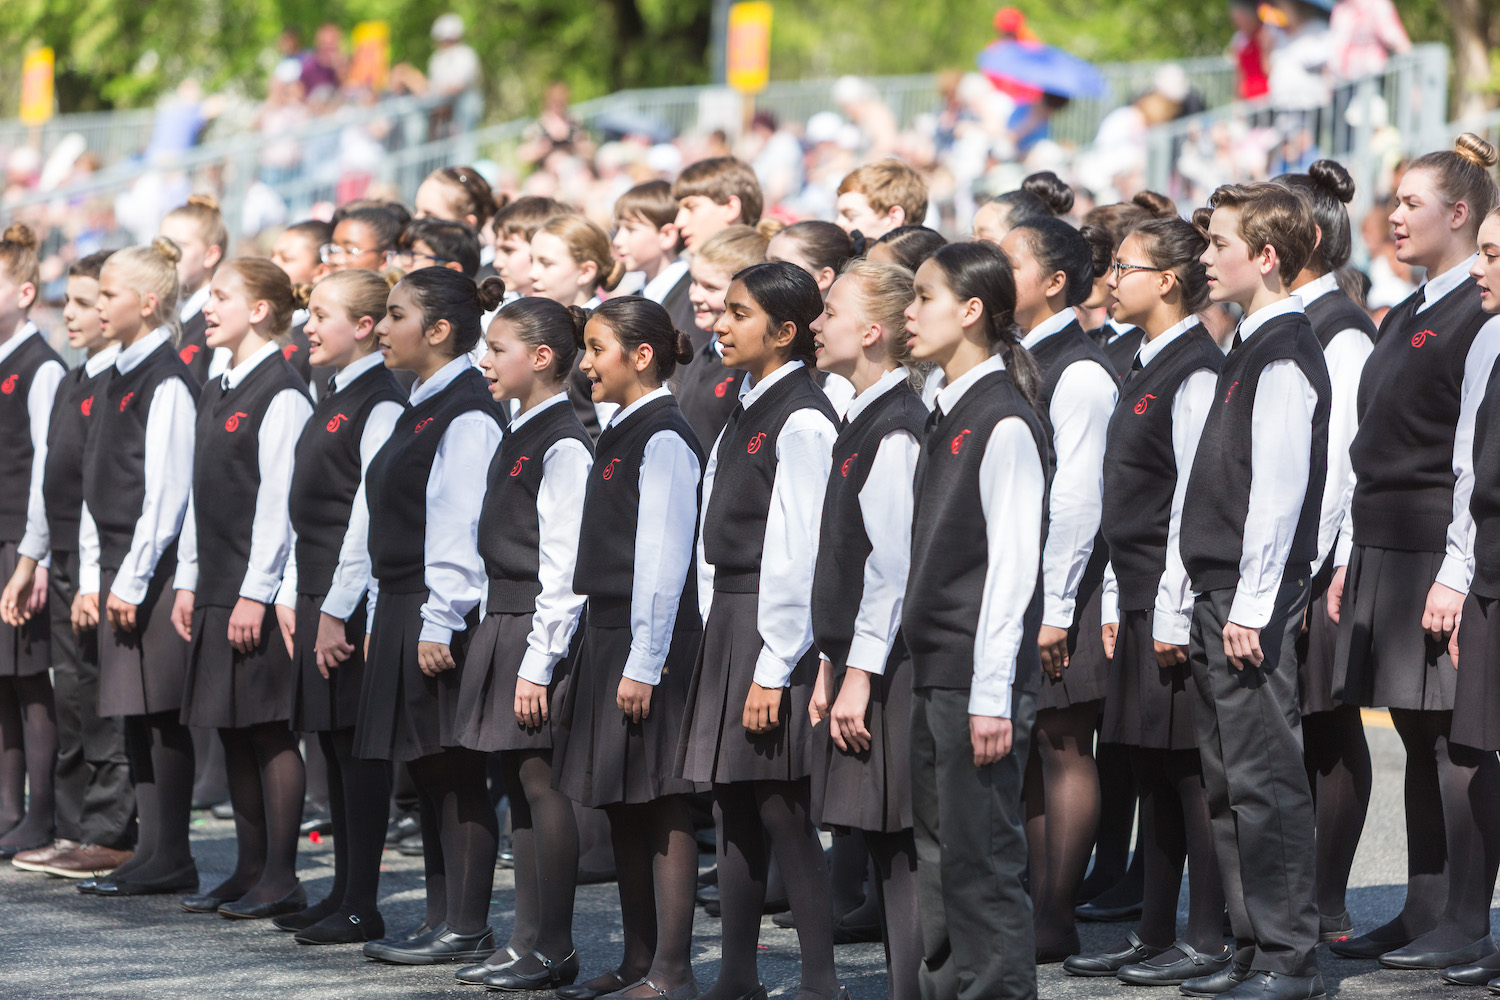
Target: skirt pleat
(142,672)
(1086,677)
(1317,651)
(869,790)
(1146,705)
(226,689)
(1476,711)
(24,651)
(1384,658)
(324,705)
(487,696)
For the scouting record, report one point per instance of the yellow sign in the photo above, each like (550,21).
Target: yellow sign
(371,65)
(36,87)
(748,52)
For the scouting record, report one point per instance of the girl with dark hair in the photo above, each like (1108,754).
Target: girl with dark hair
(1041,195)
(324,590)
(1158,284)
(518,662)
(1120,341)
(819,248)
(362,236)
(970,617)
(1333,736)
(746,728)
(907,246)
(1055,266)
(424,489)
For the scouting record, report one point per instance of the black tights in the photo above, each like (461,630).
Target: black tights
(267,781)
(459,838)
(544,839)
(28,754)
(1452,835)
(657,861)
(1175,827)
(895,887)
(754,819)
(161,765)
(1062,815)
(357,794)
(1340,775)
(1117,798)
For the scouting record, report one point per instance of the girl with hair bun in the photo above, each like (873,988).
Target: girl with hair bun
(861,706)
(709,390)
(459,194)
(1055,266)
(522,651)
(628,687)
(321,603)
(1120,342)
(1404,565)
(424,489)
(970,616)
(30,373)
(906,246)
(1158,284)
(819,248)
(1333,735)
(136,482)
(229,568)
(197,228)
(747,729)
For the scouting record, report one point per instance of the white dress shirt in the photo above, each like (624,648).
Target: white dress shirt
(351,577)
(171,428)
(666,279)
(1080,410)
(1012,484)
(43,390)
(559,513)
(1280,464)
(840,392)
(664,530)
(271,528)
(804,456)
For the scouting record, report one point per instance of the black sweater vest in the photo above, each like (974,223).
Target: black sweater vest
(708,393)
(734,526)
(67,437)
(226,474)
(1484,504)
(1122,350)
(1140,466)
(605,572)
(1409,398)
(510,533)
(1334,312)
(843,543)
(17,373)
(396,481)
(950,545)
(1218,492)
(295,350)
(326,475)
(114,473)
(193,349)
(1059,352)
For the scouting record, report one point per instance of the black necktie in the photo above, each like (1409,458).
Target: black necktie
(333,384)
(1234,344)
(934,418)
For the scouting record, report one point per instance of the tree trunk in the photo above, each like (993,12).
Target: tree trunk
(1472,25)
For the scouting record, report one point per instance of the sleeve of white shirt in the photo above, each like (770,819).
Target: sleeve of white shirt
(1346,355)
(170,432)
(1080,412)
(1280,460)
(1011,488)
(455,493)
(271,530)
(704,568)
(351,577)
(286,592)
(37,542)
(1174,595)
(185,576)
(664,553)
(559,513)
(1343,547)
(1109,597)
(88,552)
(804,456)
(1457,570)
(885,503)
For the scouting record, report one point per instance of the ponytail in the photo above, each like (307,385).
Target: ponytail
(980,270)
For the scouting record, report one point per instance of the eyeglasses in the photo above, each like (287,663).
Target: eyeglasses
(404,258)
(333,253)
(1120,269)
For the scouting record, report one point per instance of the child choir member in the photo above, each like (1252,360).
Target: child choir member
(197,228)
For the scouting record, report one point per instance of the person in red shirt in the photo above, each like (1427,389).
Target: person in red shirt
(1249,47)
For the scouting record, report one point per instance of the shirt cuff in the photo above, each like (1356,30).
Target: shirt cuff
(771,672)
(341,602)
(643,668)
(1250,610)
(1342,550)
(185,578)
(133,591)
(1455,574)
(993,704)
(537,667)
(1109,609)
(867,654)
(257,586)
(88,579)
(286,596)
(1172,627)
(33,547)
(436,633)
(1057,613)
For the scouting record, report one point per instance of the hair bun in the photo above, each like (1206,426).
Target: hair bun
(204,201)
(580,320)
(616,274)
(1159,205)
(684,349)
(301,294)
(491,292)
(167,250)
(20,234)
(1474,149)
(1049,187)
(1330,176)
(769,227)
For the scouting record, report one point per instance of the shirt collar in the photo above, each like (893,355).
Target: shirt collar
(300,317)
(241,371)
(1117,329)
(624,413)
(1263,315)
(545,404)
(26,332)
(1436,288)
(1317,288)
(948,398)
(862,402)
(750,393)
(1047,327)
(139,351)
(99,362)
(425,390)
(193,304)
(346,375)
(657,288)
(1151,348)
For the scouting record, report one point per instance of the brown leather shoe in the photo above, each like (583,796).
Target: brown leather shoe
(87,861)
(37,860)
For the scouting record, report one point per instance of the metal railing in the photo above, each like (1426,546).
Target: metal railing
(111,136)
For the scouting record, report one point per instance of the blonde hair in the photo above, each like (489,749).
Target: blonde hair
(203,211)
(151,269)
(885,290)
(735,248)
(586,243)
(18,254)
(1465,173)
(361,293)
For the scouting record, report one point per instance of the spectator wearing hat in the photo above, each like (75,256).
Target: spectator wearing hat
(454,71)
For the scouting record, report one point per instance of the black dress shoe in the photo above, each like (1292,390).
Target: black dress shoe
(1414,958)
(845,932)
(1477,974)
(321,825)
(583,991)
(689,991)
(1367,946)
(1107,963)
(550,976)
(303,919)
(342,928)
(402,828)
(182,880)
(204,903)
(1094,913)
(1276,986)
(411,847)
(293,902)
(473,975)
(1336,928)
(1192,965)
(1218,984)
(86,886)
(447,946)
(422,930)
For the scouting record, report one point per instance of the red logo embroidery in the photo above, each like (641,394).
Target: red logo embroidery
(334,424)
(9,385)
(609,470)
(126,401)
(188,353)
(420,425)
(957,444)
(86,406)
(848,462)
(515,470)
(233,423)
(1231,391)
(1420,337)
(1144,402)
(755,443)
(288,351)
(723,387)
